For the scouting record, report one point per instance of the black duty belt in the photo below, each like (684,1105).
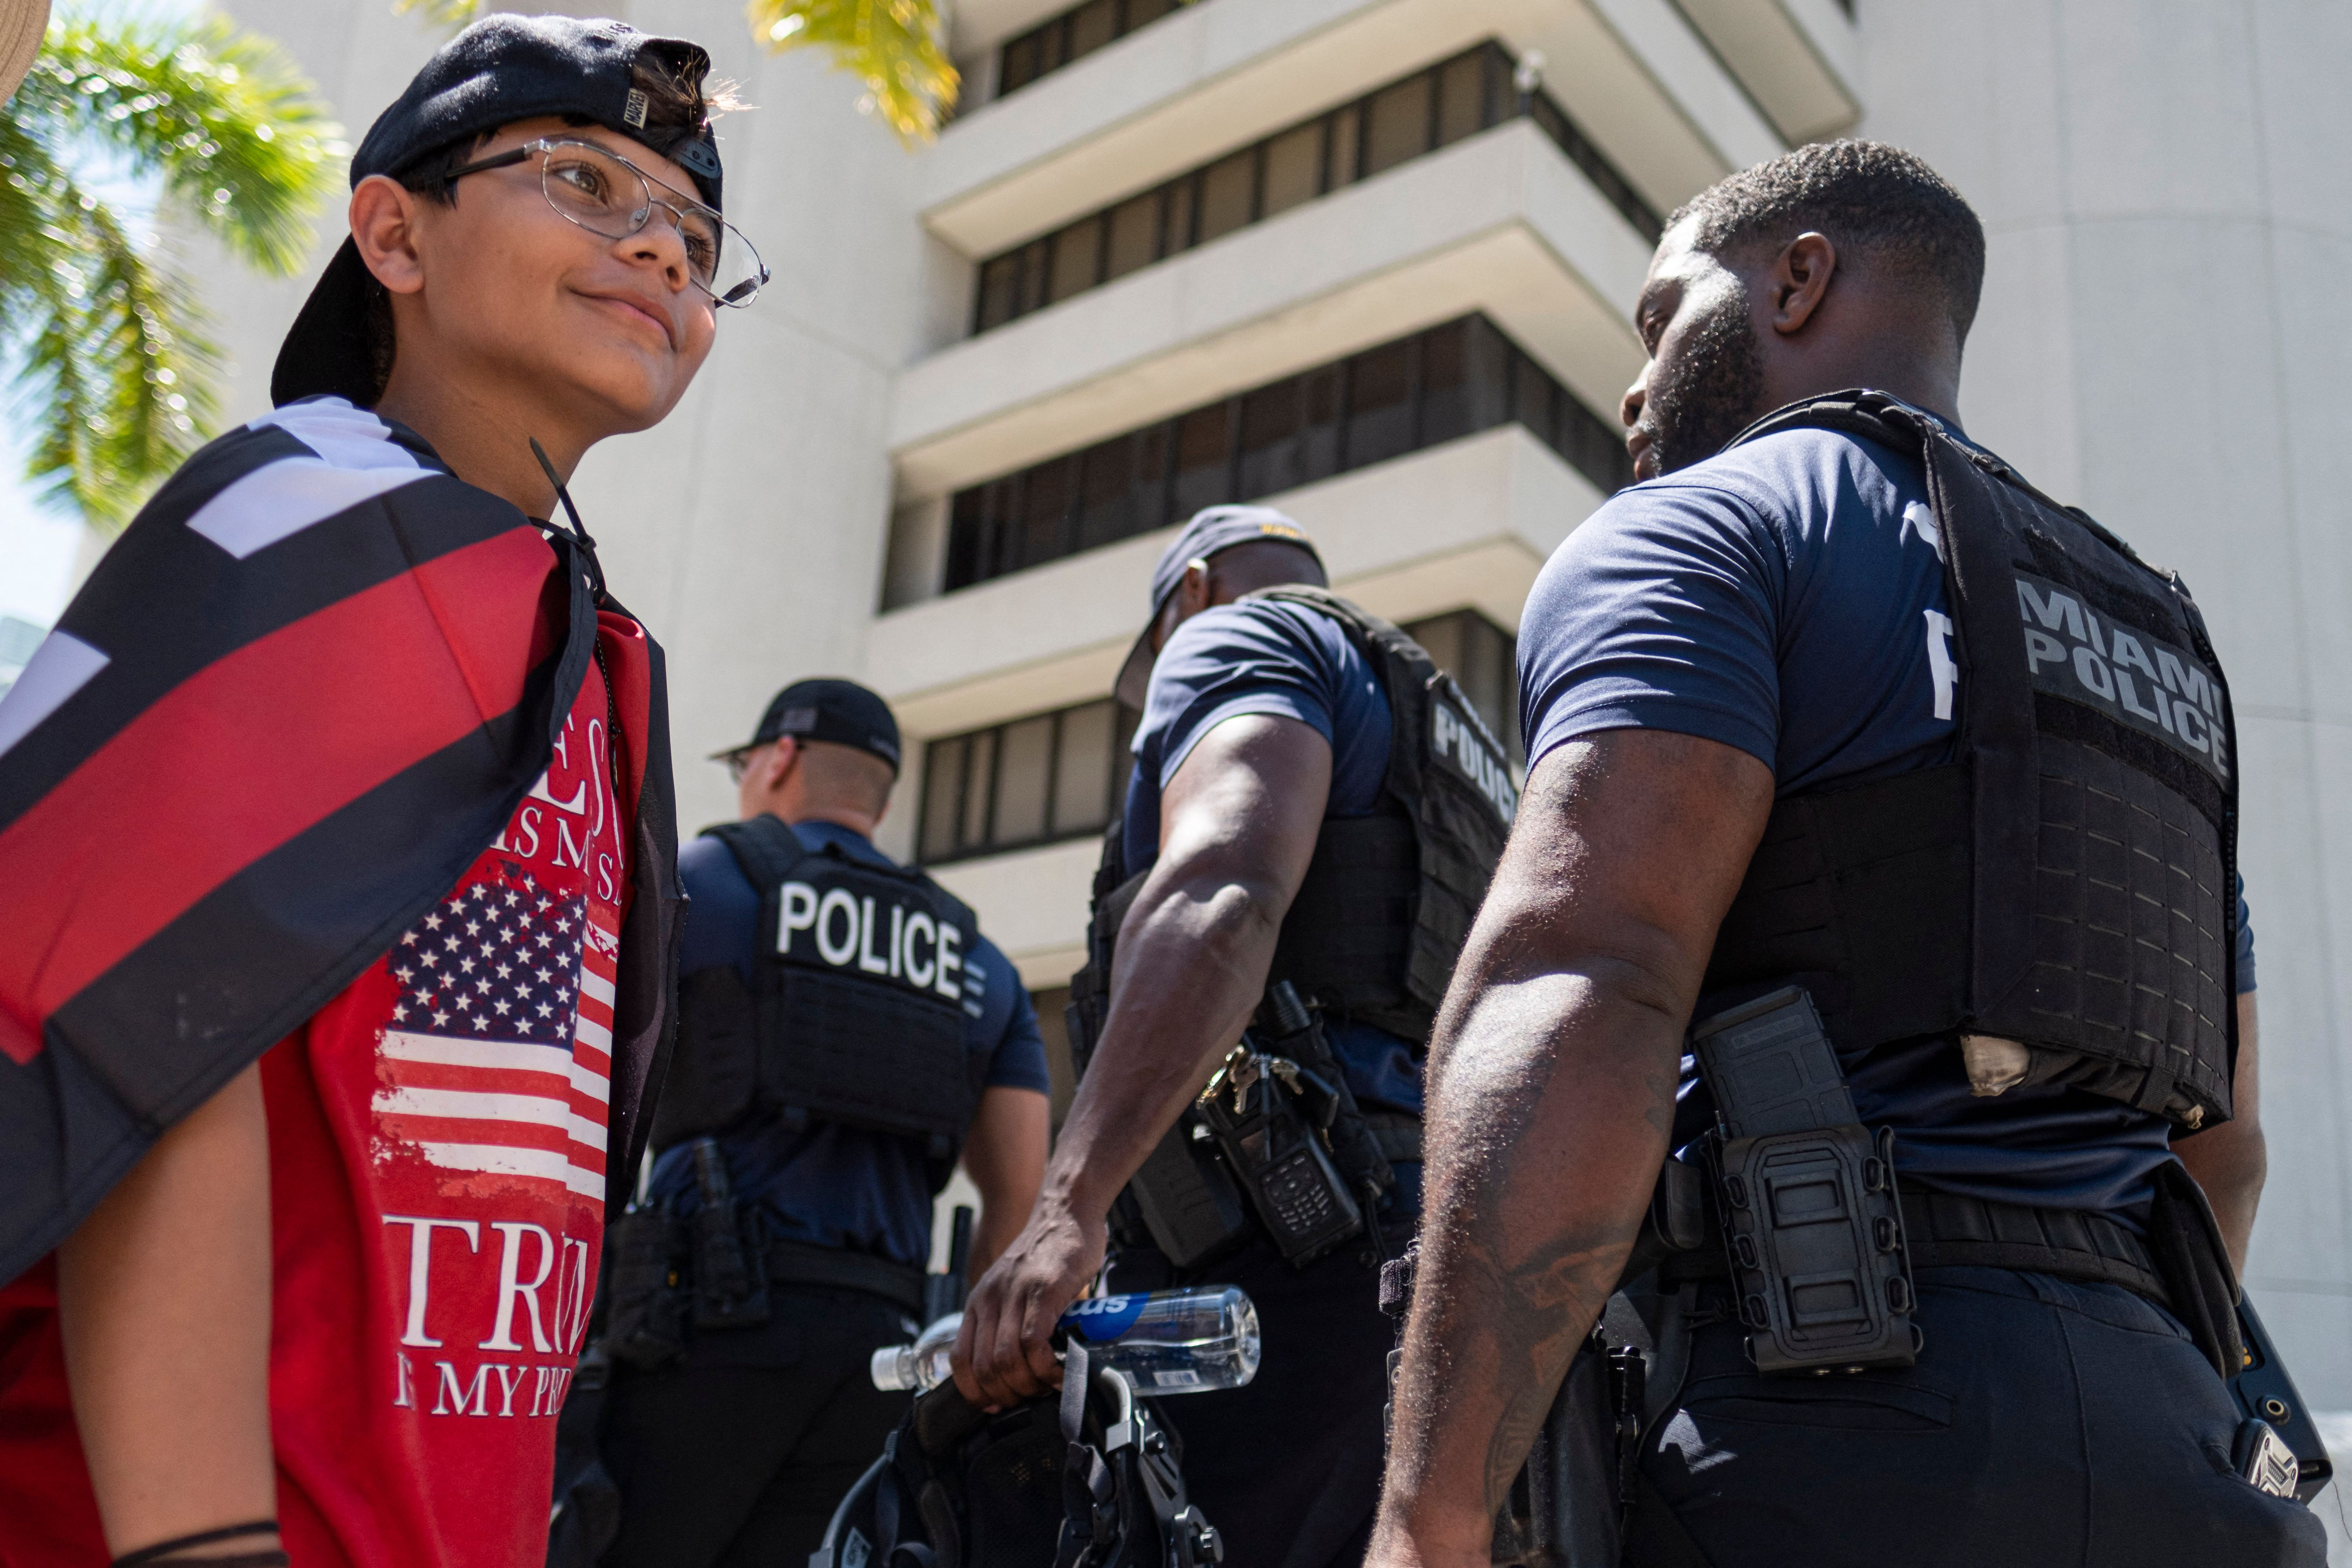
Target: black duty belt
(798,1263)
(1947,1231)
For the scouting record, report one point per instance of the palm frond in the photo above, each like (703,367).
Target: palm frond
(115,373)
(449,12)
(895,47)
(235,134)
(118,376)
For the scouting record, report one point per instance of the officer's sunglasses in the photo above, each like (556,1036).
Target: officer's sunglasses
(605,194)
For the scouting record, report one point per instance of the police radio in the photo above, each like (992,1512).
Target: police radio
(1258,1108)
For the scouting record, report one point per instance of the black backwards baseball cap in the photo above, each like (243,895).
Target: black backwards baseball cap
(502,69)
(832,709)
(1213,529)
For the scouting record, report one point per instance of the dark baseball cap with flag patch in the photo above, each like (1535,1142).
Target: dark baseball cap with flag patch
(501,69)
(827,708)
(1213,529)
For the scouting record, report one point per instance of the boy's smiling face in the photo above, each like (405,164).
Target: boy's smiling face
(526,306)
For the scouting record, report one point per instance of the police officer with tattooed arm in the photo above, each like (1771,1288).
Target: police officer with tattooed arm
(1313,815)
(1902,799)
(845,1035)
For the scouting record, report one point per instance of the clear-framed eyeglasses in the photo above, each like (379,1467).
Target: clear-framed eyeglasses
(607,194)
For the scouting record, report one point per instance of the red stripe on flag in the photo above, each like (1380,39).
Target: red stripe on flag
(249,752)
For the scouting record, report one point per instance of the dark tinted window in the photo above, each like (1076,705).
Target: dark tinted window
(1293,169)
(1050,776)
(1397,125)
(1077,259)
(1461,98)
(1108,501)
(1071,36)
(1045,503)
(1273,419)
(1203,458)
(1092,26)
(1433,106)
(1226,188)
(1000,291)
(1347,146)
(1380,403)
(1134,236)
(1447,381)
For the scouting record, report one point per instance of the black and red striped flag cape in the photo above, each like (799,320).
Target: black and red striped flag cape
(309,684)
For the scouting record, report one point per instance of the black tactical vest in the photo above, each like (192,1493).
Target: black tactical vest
(2067,881)
(857,1015)
(1378,923)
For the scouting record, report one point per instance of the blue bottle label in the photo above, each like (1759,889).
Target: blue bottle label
(1101,1319)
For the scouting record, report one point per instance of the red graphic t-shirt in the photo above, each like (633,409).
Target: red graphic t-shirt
(437,1155)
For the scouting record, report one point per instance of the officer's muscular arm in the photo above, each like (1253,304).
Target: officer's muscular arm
(2230,1161)
(1238,824)
(1004,1155)
(163,1297)
(1552,1087)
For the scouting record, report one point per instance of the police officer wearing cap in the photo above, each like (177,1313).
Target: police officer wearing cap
(1876,870)
(846,1036)
(1313,816)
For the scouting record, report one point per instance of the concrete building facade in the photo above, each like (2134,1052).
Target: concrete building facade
(1372,261)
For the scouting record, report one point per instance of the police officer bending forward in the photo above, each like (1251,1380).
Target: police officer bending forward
(1836,725)
(1312,805)
(847,1034)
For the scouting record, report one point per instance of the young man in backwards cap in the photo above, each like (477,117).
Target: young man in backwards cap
(323,1060)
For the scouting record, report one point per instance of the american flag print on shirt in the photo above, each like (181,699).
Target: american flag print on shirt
(496,1064)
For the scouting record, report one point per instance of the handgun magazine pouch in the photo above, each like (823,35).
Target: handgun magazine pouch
(857,1015)
(2066,883)
(1372,934)
(1812,1226)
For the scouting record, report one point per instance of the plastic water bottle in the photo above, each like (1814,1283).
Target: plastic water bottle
(1170,1342)
(922,1366)
(1167,1342)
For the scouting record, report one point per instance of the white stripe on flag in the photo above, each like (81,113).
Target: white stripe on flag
(596,1035)
(584,1131)
(595,985)
(474,1105)
(492,1159)
(502,1056)
(592,1083)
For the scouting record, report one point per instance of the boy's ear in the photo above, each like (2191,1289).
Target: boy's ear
(383,228)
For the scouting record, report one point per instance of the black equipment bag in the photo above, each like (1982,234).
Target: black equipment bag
(1088,1480)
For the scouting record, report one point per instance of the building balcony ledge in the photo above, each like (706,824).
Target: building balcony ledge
(1222,73)
(1501,223)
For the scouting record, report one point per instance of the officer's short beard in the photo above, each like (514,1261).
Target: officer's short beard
(1712,394)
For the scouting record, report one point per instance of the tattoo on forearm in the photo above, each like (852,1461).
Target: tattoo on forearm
(1525,1289)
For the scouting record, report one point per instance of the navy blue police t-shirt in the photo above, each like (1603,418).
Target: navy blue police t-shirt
(1271,656)
(1787,598)
(830,1186)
